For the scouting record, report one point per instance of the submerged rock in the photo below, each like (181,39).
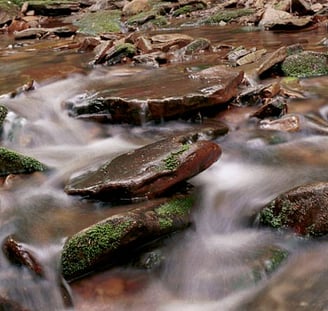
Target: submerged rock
(12,162)
(305,64)
(303,209)
(148,171)
(114,239)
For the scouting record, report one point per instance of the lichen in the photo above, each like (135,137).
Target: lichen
(84,248)
(176,208)
(227,16)
(12,162)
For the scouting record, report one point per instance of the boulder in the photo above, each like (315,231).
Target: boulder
(148,171)
(113,240)
(12,162)
(201,90)
(303,210)
(305,64)
(136,6)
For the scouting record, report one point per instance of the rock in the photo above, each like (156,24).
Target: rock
(94,23)
(164,42)
(251,57)
(288,123)
(112,55)
(189,7)
(305,64)
(303,210)
(294,287)
(64,31)
(114,239)
(196,46)
(142,18)
(53,8)
(274,108)
(18,254)
(272,59)
(208,88)
(3,114)
(12,162)
(136,6)
(148,171)
(276,19)
(227,15)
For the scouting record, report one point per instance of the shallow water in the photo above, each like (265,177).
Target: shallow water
(202,267)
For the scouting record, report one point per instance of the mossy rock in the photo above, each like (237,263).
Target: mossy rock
(113,240)
(3,114)
(142,18)
(94,23)
(303,210)
(227,16)
(12,162)
(188,9)
(305,64)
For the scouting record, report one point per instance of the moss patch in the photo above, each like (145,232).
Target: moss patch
(172,161)
(12,162)
(99,22)
(3,114)
(306,64)
(227,16)
(188,9)
(85,247)
(170,210)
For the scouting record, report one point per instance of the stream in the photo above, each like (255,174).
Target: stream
(202,267)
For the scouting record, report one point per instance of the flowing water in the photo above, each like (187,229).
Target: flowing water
(210,266)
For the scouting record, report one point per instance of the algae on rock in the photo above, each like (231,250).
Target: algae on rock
(12,162)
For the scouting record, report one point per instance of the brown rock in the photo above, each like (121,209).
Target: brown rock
(304,210)
(136,6)
(205,89)
(148,171)
(274,58)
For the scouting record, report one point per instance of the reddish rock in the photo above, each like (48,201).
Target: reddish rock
(148,171)
(136,104)
(304,210)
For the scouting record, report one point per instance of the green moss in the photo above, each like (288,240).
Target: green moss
(227,15)
(172,161)
(305,64)
(3,114)
(84,248)
(127,49)
(170,210)
(104,21)
(188,8)
(12,162)
(279,219)
(142,17)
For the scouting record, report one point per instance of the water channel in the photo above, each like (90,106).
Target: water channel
(203,266)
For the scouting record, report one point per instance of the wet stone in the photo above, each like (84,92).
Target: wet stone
(302,210)
(114,240)
(12,162)
(148,171)
(208,88)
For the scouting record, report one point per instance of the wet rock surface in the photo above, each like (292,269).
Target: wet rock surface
(147,172)
(114,239)
(302,210)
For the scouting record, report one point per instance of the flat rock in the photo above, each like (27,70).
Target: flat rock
(182,94)
(148,171)
(277,19)
(303,210)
